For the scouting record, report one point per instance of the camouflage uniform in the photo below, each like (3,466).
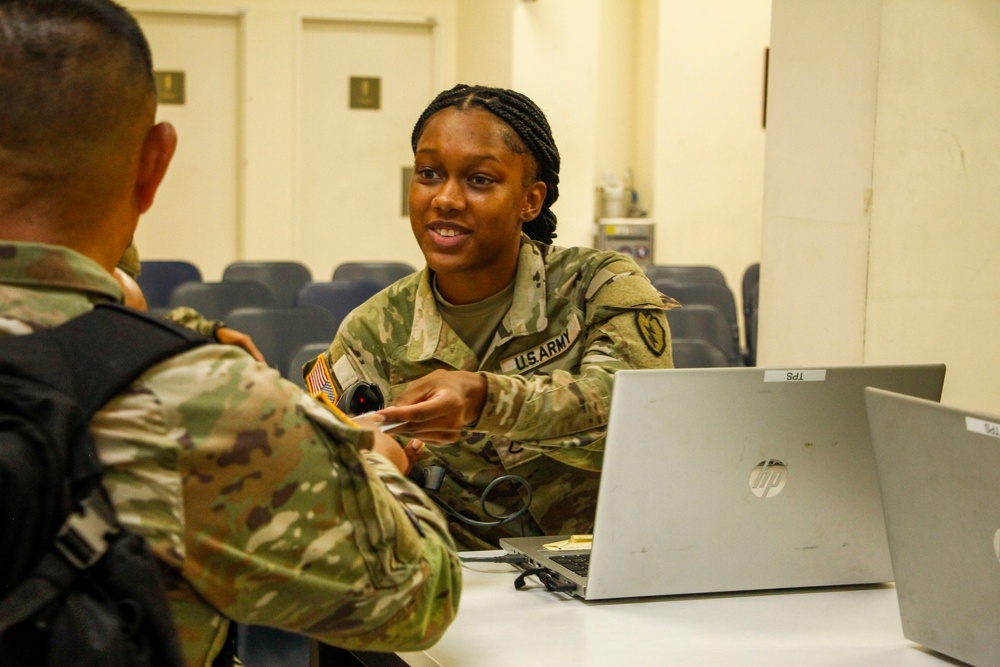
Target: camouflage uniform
(577,316)
(259,502)
(188,317)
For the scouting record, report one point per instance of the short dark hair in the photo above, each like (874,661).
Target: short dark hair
(69,69)
(534,136)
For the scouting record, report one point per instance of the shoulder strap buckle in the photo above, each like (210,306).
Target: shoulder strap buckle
(83,538)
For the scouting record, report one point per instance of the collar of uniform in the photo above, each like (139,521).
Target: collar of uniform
(425,331)
(527,314)
(43,265)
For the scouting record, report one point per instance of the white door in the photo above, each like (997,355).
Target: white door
(196,215)
(351,161)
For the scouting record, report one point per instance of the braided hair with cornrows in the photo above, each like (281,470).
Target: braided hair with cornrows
(534,136)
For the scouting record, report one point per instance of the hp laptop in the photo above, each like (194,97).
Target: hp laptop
(939,469)
(733,479)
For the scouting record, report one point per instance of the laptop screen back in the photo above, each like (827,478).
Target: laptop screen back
(939,470)
(729,479)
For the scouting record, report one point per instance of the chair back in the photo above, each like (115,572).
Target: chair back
(284,279)
(339,297)
(216,300)
(697,353)
(280,332)
(384,273)
(751,301)
(686,273)
(301,357)
(751,288)
(709,294)
(159,277)
(705,322)
(751,330)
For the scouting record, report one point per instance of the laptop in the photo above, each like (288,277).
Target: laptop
(939,469)
(735,479)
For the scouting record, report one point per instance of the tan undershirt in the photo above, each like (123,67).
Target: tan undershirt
(476,323)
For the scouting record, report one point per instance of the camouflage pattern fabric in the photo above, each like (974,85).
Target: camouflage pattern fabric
(192,319)
(577,316)
(262,505)
(187,317)
(129,262)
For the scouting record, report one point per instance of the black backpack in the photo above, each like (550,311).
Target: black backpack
(76,588)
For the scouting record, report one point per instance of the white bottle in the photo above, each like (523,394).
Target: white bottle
(613,188)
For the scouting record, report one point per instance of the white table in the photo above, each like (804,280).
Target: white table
(498,626)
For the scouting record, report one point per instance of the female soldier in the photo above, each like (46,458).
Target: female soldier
(501,352)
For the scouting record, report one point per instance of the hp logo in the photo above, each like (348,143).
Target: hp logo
(768,478)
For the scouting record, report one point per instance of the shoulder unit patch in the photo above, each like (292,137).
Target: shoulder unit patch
(651,331)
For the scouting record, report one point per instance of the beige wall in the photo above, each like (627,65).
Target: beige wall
(486,43)
(669,90)
(821,125)
(617,106)
(556,64)
(269,62)
(574,58)
(875,216)
(646,72)
(708,136)
(205,181)
(881,206)
(599,68)
(934,274)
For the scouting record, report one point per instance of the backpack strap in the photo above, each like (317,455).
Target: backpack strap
(89,359)
(93,357)
(103,351)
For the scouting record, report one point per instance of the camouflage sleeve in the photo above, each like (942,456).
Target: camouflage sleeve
(129,262)
(192,319)
(289,523)
(563,413)
(568,409)
(359,353)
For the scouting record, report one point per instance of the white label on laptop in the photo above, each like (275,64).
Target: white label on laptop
(795,376)
(984,427)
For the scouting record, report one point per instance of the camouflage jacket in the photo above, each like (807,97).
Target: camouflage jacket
(187,317)
(261,505)
(577,316)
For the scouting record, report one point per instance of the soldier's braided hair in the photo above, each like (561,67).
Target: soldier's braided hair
(534,136)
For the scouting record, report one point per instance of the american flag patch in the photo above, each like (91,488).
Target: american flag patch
(319,383)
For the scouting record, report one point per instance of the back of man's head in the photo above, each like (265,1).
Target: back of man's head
(76,97)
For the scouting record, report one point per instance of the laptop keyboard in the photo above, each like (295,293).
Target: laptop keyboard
(578,563)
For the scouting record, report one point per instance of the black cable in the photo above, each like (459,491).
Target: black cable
(513,559)
(500,520)
(549,578)
(362,397)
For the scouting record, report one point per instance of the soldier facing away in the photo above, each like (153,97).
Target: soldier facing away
(500,354)
(261,505)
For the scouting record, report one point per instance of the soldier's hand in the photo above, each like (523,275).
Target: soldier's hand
(438,406)
(228,336)
(391,450)
(413,449)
